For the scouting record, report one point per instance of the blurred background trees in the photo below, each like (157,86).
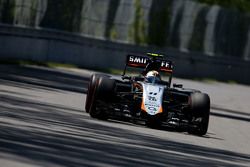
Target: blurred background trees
(241,5)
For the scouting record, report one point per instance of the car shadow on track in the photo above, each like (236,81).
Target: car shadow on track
(47,134)
(209,135)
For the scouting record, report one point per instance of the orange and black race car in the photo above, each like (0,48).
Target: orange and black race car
(148,96)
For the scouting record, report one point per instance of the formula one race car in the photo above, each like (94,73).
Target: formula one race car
(148,97)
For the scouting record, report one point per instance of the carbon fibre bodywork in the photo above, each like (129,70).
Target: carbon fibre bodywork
(132,98)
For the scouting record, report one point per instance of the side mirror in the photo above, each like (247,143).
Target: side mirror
(126,77)
(175,85)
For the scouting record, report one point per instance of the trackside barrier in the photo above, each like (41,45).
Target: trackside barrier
(62,47)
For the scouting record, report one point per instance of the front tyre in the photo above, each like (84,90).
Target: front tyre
(91,86)
(103,94)
(200,111)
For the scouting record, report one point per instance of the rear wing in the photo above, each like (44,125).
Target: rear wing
(138,61)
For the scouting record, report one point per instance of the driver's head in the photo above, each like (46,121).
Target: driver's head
(153,77)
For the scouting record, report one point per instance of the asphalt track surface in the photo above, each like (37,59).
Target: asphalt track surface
(43,123)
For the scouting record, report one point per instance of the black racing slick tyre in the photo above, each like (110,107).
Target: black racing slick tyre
(200,111)
(92,83)
(89,97)
(103,94)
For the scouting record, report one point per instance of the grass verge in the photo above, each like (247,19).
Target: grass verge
(29,62)
(107,70)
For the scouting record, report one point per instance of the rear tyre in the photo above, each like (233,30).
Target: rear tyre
(200,111)
(103,94)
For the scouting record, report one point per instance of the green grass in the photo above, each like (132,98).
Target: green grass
(232,82)
(52,65)
(113,71)
(44,64)
(56,65)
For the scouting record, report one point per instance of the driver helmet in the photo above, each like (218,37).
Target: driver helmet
(153,77)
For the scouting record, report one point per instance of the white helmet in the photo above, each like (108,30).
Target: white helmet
(153,77)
